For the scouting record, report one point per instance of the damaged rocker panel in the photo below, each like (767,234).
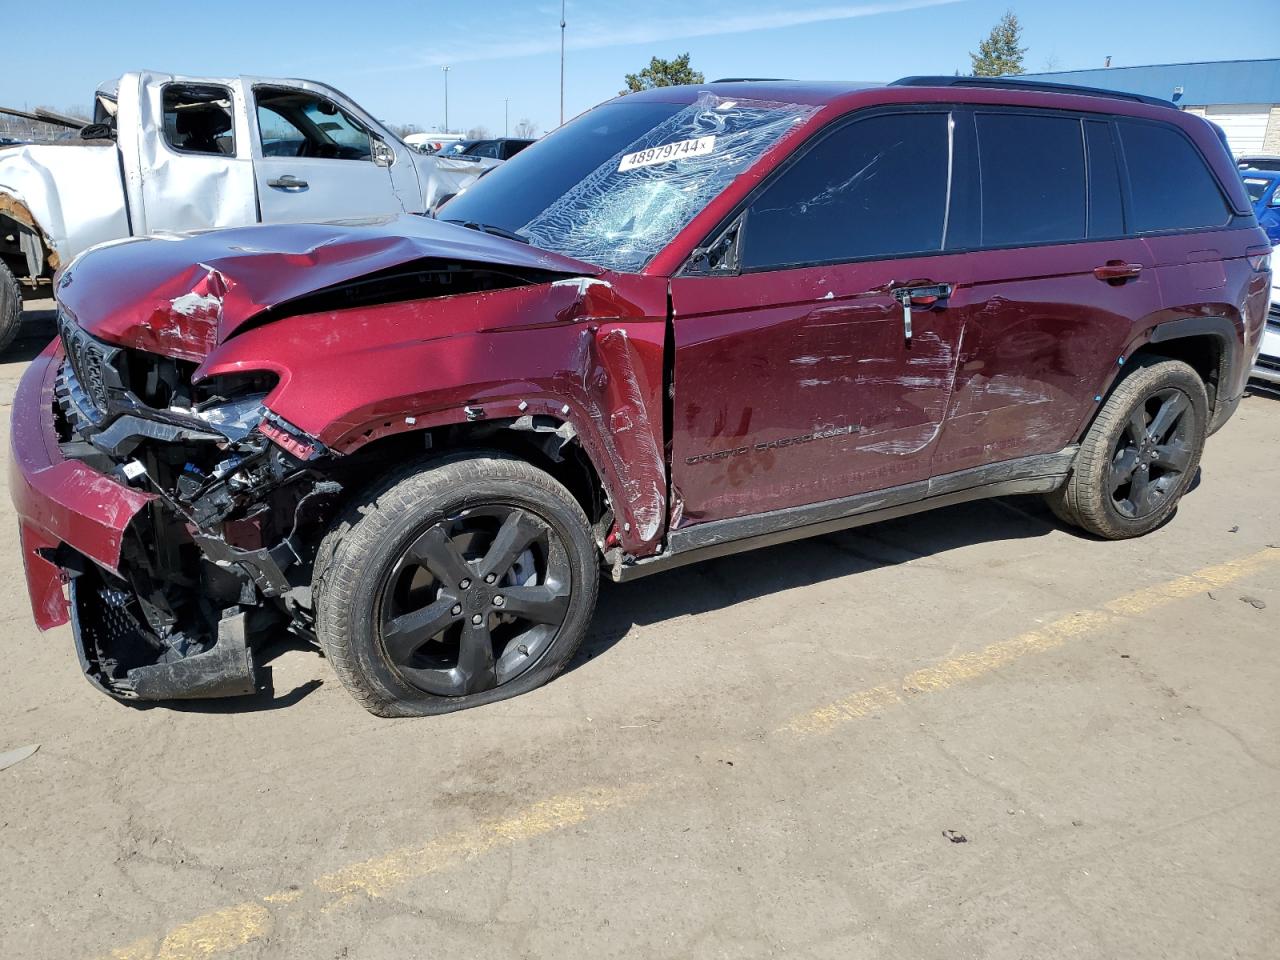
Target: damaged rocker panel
(704,541)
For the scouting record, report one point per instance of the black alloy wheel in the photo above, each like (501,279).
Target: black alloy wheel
(475,600)
(1140,454)
(1151,455)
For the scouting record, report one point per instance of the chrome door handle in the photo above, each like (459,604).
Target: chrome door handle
(922,295)
(287,182)
(1117,271)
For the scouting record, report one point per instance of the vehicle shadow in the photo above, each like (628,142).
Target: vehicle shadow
(39,326)
(262,700)
(725,581)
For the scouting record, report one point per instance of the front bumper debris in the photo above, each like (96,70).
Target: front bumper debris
(59,501)
(167,596)
(107,627)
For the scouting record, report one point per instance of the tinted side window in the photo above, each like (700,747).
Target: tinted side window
(489,149)
(197,119)
(1169,183)
(1106,215)
(874,188)
(1032,179)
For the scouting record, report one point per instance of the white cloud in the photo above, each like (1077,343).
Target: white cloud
(594,35)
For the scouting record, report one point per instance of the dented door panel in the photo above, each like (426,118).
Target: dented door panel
(797,386)
(1038,326)
(172,190)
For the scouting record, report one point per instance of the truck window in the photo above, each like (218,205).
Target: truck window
(198,119)
(294,123)
(490,149)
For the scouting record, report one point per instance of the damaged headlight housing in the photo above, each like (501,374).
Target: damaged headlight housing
(232,404)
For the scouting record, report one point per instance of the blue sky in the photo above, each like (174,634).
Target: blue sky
(387,54)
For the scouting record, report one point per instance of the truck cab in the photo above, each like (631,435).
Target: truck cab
(172,154)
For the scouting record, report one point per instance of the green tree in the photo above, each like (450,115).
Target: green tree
(999,55)
(663,73)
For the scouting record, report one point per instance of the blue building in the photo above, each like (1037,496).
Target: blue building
(1241,96)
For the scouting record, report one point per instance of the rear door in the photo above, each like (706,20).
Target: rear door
(1057,285)
(316,160)
(191,169)
(795,378)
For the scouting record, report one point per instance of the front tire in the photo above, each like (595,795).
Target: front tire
(1140,455)
(453,584)
(10,306)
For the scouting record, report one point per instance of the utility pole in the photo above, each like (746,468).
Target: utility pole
(562,63)
(506,116)
(446,98)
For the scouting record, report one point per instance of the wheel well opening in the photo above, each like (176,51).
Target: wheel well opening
(23,248)
(1202,353)
(539,440)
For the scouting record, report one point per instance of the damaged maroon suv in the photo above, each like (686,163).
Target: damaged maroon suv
(693,321)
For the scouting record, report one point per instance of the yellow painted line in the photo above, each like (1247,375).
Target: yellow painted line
(226,930)
(971,666)
(375,877)
(223,931)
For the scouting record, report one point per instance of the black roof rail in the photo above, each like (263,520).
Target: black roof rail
(750,80)
(1014,83)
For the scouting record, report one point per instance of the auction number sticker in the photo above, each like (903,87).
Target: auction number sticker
(697,147)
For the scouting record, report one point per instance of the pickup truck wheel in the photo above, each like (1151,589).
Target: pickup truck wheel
(10,306)
(455,583)
(1140,455)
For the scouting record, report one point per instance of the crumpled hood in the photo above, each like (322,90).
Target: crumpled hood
(182,295)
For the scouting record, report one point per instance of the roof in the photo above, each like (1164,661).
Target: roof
(1203,84)
(809,92)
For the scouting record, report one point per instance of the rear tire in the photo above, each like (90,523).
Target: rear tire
(1140,455)
(10,306)
(455,583)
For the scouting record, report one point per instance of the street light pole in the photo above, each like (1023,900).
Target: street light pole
(446,98)
(562,63)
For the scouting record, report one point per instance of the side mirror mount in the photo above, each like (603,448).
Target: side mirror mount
(383,155)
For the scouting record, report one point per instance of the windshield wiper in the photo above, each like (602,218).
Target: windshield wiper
(490,228)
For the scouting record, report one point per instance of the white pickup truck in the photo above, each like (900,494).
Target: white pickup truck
(169,154)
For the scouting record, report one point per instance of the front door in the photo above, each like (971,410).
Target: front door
(797,379)
(317,161)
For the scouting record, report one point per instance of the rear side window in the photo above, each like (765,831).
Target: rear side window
(1170,185)
(1033,179)
(1106,214)
(874,188)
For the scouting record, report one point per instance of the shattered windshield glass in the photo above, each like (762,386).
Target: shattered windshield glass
(616,185)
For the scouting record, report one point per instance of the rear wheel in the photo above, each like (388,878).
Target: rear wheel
(455,584)
(10,306)
(1140,455)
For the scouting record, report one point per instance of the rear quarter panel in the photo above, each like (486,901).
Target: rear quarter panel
(1206,275)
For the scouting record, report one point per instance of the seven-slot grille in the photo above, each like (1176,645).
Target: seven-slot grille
(89,359)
